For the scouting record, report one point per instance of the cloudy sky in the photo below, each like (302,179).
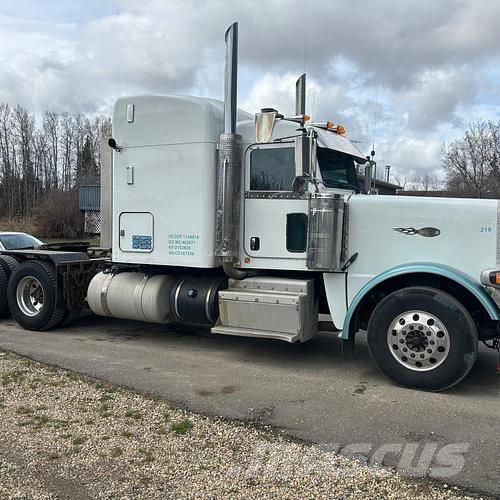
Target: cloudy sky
(406,75)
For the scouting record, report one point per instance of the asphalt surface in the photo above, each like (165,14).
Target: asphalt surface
(307,390)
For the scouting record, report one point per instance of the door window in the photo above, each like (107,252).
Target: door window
(296,232)
(272,169)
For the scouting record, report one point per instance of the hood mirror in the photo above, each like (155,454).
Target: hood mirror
(264,125)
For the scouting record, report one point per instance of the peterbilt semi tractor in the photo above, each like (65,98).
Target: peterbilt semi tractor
(256,226)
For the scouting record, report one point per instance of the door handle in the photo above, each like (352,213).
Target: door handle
(254,243)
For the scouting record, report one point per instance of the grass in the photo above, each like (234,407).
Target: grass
(24,410)
(79,440)
(39,421)
(116,452)
(104,411)
(147,456)
(135,414)
(181,427)
(11,377)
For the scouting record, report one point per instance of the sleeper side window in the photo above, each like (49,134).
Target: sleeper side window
(272,169)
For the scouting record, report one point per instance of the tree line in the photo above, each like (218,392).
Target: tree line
(55,152)
(471,165)
(43,154)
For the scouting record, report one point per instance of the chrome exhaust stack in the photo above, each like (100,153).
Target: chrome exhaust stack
(302,142)
(227,230)
(300,96)
(231,80)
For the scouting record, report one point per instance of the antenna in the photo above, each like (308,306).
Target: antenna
(314,94)
(305,36)
(375,117)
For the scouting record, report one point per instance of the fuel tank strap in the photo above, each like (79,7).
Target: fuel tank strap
(104,294)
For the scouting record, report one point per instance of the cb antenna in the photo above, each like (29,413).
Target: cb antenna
(305,36)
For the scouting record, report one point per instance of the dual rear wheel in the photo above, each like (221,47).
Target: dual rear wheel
(7,266)
(34,297)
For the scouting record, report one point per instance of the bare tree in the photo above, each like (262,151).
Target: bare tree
(37,161)
(51,132)
(472,163)
(425,182)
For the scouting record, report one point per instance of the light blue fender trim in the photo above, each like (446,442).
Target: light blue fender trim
(422,267)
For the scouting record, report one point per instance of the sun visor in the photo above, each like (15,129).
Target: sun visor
(331,140)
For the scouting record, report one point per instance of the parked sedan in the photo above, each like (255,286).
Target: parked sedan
(17,241)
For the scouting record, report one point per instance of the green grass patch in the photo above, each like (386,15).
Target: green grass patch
(147,456)
(135,414)
(181,427)
(11,377)
(24,410)
(79,440)
(116,452)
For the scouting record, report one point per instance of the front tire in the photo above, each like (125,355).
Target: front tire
(421,337)
(32,296)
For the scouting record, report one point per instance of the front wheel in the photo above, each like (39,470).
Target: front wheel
(423,338)
(32,295)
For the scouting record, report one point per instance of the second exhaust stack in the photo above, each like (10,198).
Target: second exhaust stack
(227,230)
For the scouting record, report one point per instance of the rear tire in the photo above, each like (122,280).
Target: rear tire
(423,338)
(9,264)
(4,308)
(32,298)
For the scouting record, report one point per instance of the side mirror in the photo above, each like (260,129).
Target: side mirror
(300,185)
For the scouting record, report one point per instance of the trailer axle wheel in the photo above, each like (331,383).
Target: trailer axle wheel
(33,298)
(29,296)
(4,309)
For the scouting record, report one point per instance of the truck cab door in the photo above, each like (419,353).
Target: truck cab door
(275,218)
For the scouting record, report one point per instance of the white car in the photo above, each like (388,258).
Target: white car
(18,241)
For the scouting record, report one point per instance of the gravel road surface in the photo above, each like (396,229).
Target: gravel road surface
(307,390)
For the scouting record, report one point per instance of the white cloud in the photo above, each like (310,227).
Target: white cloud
(433,61)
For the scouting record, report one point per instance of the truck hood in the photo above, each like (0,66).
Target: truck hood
(388,231)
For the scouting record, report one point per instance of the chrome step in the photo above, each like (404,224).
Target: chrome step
(246,332)
(276,308)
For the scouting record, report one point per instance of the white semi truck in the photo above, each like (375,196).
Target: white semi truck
(256,226)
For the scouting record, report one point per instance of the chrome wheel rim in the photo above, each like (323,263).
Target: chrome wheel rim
(30,296)
(418,340)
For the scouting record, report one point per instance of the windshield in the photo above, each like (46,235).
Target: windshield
(17,241)
(337,169)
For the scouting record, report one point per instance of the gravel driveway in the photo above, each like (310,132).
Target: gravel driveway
(65,436)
